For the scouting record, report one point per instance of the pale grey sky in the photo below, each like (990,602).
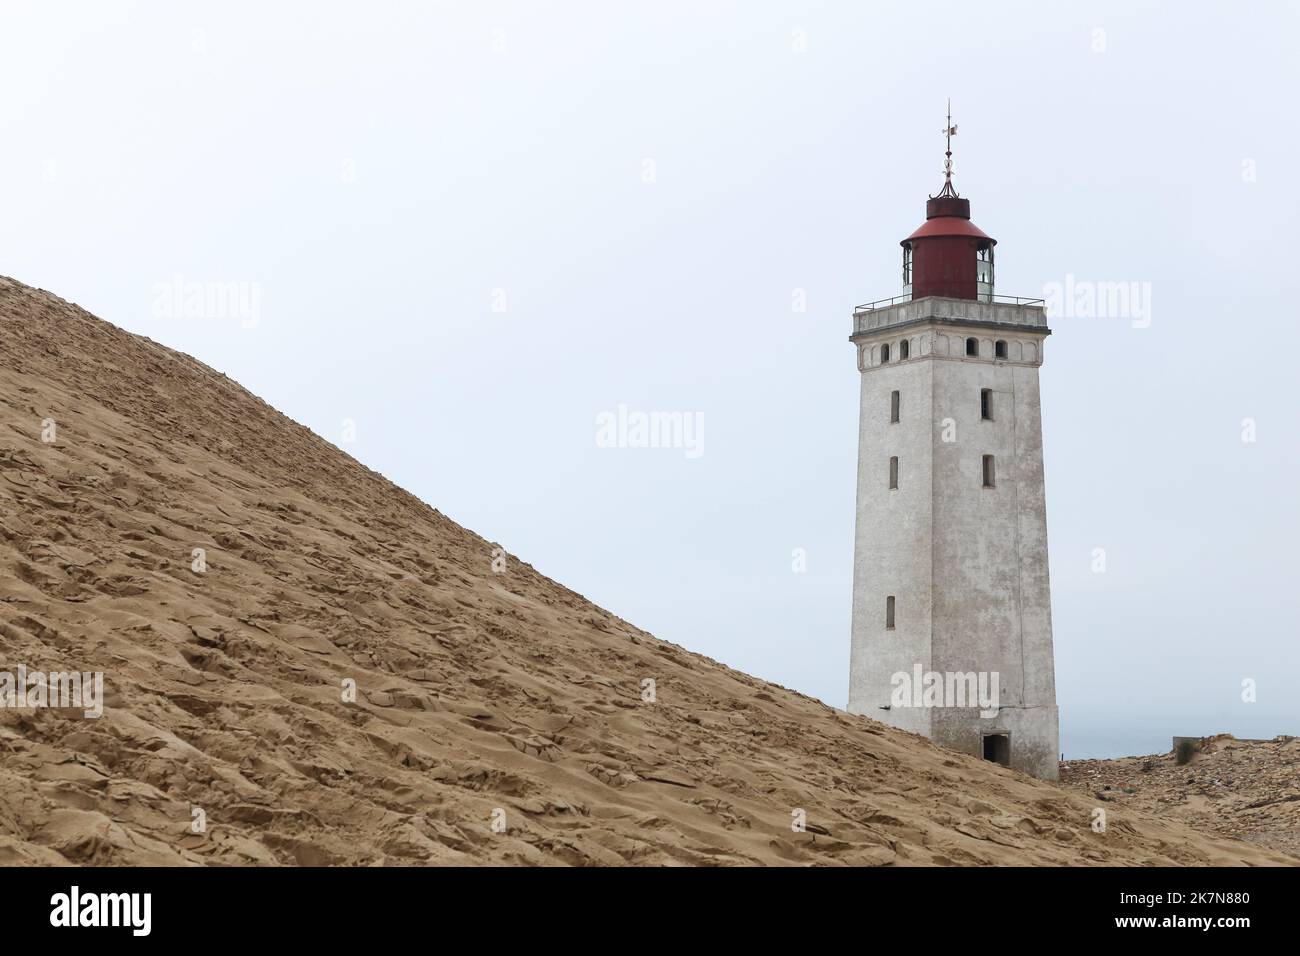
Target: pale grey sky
(384,177)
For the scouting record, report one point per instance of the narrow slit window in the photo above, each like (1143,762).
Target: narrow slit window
(889,613)
(988,471)
(986,404)
(884,353)
(904,349)
(1000,349)
(893,472)
(893,407)
(973,347)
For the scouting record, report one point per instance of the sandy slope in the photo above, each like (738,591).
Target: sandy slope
(477,691)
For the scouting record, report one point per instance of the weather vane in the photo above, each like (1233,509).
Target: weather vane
(949,131)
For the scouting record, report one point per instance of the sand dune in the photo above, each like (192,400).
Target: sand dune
(481,697)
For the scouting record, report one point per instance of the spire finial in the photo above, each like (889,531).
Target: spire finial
(949,131)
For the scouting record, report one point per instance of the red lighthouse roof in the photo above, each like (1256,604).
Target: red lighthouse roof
(948,226)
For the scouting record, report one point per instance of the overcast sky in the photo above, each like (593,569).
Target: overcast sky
(469,229)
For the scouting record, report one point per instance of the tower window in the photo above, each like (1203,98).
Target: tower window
(973,347)
(884,353)
(889,613)
(893,472)
(986,404)
(988,471)
(893,407)
(1000,349)
(904,349)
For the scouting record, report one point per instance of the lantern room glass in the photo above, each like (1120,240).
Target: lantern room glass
(984,273)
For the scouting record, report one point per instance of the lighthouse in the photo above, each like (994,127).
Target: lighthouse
(952,617)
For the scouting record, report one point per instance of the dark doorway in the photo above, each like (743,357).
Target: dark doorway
(997,747)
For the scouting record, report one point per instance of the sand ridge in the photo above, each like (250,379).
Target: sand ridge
(482,699)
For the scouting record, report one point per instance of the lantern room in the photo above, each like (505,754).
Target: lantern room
(949,255)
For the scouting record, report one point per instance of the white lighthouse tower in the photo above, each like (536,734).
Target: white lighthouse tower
(952,618)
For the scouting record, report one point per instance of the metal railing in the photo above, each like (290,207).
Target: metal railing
(880,304)
(895,300)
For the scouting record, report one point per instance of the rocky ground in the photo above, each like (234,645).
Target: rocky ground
(1247,789)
